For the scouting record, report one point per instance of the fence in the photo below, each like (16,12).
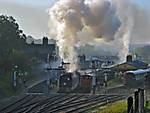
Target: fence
(137,102)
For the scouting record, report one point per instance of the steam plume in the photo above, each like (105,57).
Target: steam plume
(124,12)
(78,22)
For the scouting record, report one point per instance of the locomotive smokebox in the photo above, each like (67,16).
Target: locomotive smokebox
(68,82)
(129,58)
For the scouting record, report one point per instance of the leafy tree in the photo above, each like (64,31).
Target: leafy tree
(12,41)
(11,37)
(19,58)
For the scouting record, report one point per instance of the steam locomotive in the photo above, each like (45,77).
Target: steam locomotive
(76,83)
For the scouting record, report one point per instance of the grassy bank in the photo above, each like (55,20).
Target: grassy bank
(114,82)
(118,107)
(147,107)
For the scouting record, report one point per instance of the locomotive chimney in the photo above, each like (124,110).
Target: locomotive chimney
(129,58)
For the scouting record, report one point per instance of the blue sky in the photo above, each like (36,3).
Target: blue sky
(30,14)
(143,3)
(37,2)
(32,2)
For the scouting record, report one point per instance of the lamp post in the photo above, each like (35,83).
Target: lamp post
(94,77)
(15,77)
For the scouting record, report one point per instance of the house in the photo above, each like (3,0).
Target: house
(130,64)
(92,63)
(42,51)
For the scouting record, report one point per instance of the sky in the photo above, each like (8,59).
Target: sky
(143,3)
(33,17)
(34,2)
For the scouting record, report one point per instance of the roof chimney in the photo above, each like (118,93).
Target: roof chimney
(82,58)
(129,58)
(45,41)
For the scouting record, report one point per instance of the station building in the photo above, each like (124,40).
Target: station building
(42,51)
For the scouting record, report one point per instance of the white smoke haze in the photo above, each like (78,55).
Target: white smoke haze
(124,12)
(75,23)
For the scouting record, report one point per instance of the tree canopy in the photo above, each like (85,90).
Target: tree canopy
(11,37)
(12,42)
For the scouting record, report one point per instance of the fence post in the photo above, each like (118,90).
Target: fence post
(136,102)
(130,105)
(141,100)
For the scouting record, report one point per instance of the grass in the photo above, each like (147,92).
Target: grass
(114,82)
(118,107)
(147,107)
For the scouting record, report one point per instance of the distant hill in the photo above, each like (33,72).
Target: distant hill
(136,46)
(90,50)
(143,51)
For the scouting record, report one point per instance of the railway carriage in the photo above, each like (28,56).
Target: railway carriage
(86,83)
(137,78)
(76,83)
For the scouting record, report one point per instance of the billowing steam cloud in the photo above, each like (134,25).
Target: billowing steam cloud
(124,12)
(78,22)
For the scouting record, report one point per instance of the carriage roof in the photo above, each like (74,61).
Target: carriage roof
(139,71)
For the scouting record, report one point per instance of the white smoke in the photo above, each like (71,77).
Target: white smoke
(80,22)
(125,15)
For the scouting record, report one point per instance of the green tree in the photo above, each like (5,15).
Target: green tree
(11,37)
(12,42)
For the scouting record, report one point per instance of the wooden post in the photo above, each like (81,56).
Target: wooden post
(141,100)
(136,102)
(130,105)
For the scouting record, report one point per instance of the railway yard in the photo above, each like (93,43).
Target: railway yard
(59,103)
(77,92)
(91,56)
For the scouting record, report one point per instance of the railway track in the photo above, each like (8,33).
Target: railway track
(56,103)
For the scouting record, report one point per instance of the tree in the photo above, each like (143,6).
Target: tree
(12,42)
(11,37)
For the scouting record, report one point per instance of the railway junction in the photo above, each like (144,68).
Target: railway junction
(59,103)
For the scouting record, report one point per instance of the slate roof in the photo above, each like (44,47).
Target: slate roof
(138,64)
